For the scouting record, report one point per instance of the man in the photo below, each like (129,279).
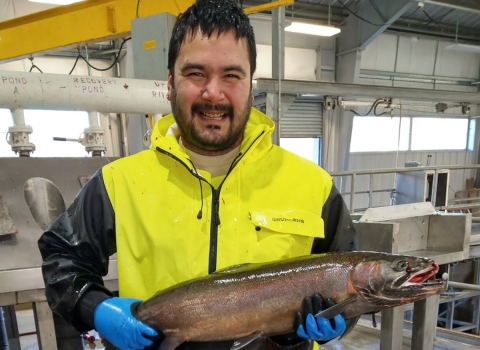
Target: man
(211,192)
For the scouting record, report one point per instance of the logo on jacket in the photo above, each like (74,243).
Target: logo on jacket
(289,220)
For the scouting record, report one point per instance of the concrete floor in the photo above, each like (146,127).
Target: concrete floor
(363,337)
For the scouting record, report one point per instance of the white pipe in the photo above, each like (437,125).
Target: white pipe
(82,93)
(18,117)
(93,119)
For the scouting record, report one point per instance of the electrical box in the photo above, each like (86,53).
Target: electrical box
(150,40)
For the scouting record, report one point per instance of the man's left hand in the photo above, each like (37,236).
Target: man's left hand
(318,328)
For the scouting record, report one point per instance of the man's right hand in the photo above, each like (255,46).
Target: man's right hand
(114,321)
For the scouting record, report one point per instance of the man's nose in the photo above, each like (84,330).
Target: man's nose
(213,90)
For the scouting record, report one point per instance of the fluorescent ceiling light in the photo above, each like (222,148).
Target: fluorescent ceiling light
(56,2)
(464,48)
(313,29)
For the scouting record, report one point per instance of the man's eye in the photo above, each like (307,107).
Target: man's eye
(195,74)
(231,76)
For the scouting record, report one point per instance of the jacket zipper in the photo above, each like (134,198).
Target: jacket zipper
(215,219)
(215,222)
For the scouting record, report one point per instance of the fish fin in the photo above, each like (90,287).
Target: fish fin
(170,343)
(240,343)
(337,308)
(234,268)
(350,325)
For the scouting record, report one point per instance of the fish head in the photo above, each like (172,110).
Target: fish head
(392,279)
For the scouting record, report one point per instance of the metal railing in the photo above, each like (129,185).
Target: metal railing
(354,173)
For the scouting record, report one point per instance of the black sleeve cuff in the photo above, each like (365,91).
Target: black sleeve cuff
(288,341)
(85,307)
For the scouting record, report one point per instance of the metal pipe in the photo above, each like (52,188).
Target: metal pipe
(474,239)
(296,87)
(352,193)
(456,7)
(82,93)
(460,285)
(403,170)
(370,191)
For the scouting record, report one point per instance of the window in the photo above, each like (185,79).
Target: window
(46,125)
(308,148)
(5,123)
(471,134)
(381,134)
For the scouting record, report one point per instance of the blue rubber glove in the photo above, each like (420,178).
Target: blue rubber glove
(114,321)
(318,328)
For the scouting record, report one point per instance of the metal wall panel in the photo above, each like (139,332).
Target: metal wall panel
(304,118)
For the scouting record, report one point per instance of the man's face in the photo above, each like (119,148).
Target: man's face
(210,92)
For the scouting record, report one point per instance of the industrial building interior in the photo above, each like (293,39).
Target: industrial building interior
(387,105)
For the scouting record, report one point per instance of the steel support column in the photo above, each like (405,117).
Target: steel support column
(278,70)
(391,334)
(425,313)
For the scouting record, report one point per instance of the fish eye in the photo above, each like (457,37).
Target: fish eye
(402,265)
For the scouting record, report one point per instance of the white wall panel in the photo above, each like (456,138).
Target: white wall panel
(416,55)
(380,54)
(455,63)
(299,63)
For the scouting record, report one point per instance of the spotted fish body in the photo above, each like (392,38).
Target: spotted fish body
(263,298)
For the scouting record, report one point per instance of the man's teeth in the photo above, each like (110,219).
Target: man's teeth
(212,116)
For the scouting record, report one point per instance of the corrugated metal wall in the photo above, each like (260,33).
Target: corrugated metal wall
(303,118)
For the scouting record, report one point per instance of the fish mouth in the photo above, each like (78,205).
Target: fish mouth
(423,281)
(422,276)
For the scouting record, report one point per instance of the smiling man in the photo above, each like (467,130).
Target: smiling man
(211,192)
(210,88)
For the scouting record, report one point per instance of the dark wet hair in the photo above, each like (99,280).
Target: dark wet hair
(209,16)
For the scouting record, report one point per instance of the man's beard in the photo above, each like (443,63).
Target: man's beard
(192,136)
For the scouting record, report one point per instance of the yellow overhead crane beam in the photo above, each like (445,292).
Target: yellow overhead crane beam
(85,22)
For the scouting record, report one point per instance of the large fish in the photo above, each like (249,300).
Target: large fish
(246,301)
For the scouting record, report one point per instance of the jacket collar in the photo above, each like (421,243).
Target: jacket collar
(259,126)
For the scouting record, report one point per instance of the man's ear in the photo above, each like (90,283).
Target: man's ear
(169,85)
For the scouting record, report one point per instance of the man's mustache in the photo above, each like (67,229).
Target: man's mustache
(197,107)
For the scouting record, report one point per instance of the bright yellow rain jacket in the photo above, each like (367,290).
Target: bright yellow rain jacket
(268,207)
